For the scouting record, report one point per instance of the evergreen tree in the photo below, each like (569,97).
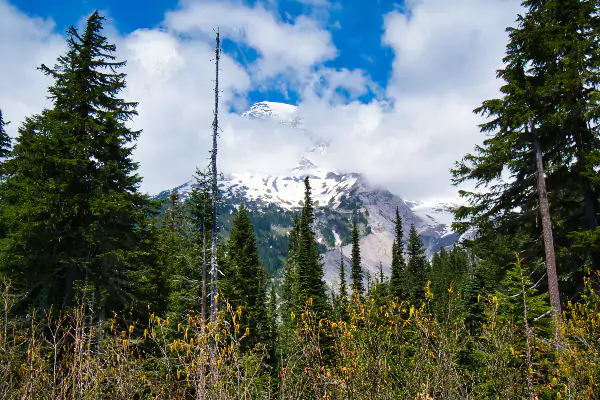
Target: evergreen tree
(356,271)
(448,273)
(379,292)
(271,333)
(72,204)
(5,142)
(176,257)
(309,267)
(199,213)
(343,285)
(244,283)
(518,298)
(549,108)
(5,147)
(562,41)
(398,285)
(156,286)
(417,266)
(289,287)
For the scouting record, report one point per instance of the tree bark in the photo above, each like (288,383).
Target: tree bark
(547,234)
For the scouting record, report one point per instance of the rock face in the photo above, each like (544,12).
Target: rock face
(273,199)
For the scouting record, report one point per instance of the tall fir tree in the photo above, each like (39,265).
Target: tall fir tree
(417,266)
(5,141)
(343,298)
(244,284)
(289,286)
(309,267)
(398,287)
(72,204)
(271,332)
(5,148)
(549,110)
(356,272)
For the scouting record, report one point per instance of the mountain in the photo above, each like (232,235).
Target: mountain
(273,199)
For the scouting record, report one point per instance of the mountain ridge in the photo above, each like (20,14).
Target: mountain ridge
(336,196)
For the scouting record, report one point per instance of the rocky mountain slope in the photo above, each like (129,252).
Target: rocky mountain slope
(274,199)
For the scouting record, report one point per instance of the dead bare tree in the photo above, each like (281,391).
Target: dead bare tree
(214,271)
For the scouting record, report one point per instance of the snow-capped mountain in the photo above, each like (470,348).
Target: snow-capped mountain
(284,113)
(336,195)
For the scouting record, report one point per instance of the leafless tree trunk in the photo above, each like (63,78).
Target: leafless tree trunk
(547,233)
(213,255)
(203,300)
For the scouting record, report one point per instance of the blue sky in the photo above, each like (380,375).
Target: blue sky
(356,27)
(389,86)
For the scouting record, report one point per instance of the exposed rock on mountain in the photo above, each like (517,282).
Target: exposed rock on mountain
(274,198)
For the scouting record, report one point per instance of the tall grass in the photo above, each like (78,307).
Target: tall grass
(393,350)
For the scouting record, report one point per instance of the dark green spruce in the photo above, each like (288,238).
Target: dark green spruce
(245,282)
(398,286)
(549,111)
(417,268)
(309,267)
(356,272)
(72,204)
(5,142)
(343,298)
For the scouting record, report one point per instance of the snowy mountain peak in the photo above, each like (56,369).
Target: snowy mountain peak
(305,165)
(337,195)
(436,216)
(284,113)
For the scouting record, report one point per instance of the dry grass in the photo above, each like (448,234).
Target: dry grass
(390,351)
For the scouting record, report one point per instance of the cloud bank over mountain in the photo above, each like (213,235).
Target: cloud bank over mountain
(405,136)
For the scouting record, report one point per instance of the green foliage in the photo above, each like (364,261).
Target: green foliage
(272,327)
(289,287)
(309,267)
(551,70)
(356,271)
(75,231)
(417,268)
(343,295)
(379,291)
(518,297)
(5,141)
(244,282)
(71,205)
(398,284)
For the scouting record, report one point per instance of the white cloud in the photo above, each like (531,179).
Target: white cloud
(25,43)
(448,46)
(171,72)
(172,80)
(446,57)
(283,48)
(446,54)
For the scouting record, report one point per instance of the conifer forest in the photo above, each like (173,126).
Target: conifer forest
(108,293)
